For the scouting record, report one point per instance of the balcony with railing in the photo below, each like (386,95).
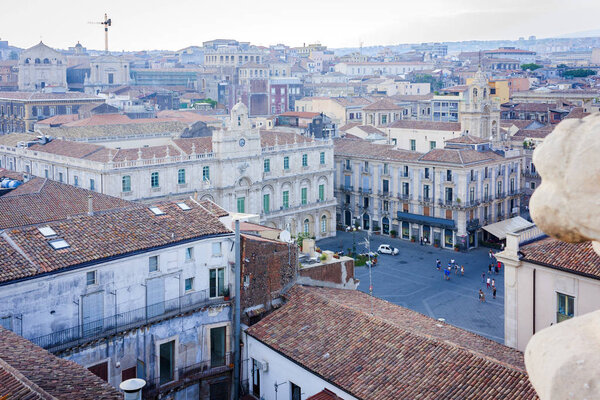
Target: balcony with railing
(121,322)
(192,373)
(347,188)
(404,196)
(473,225)
(364,190)
(500,195)
(426,199)
(487,198)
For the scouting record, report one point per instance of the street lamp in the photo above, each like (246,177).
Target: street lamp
(354,229)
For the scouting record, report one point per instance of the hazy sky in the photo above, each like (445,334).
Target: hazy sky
(164,24)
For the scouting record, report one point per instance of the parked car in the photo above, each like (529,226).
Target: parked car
(387,249)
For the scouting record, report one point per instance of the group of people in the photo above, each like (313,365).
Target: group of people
(489,281)
(452,265)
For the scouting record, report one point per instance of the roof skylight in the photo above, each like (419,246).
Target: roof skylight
(59,244)
(184,206)
(157,211)
(47,231)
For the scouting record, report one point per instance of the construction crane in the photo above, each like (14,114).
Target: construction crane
(107,22)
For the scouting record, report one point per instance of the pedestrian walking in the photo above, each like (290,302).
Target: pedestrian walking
(455,269)
(490,268)
(452,261)
(491,254)
(425,240)
(447,273)
(462,270)
(481,296)
(494,291)
(421,240)
(493,283)
(496,270)
(488,281)
(483,277)
(499,265)
(438,264)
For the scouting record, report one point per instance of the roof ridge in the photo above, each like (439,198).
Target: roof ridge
(41,393)
(413,332)
(19,250)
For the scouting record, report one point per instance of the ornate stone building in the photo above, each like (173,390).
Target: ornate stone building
(284,177)
(42,67)
(106,71)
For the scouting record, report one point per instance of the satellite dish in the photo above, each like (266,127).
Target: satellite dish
(285,236)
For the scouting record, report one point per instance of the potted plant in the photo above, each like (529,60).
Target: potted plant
(335,255)
(456,247)
(413,238)
(393,233)
(226,294)
(376,230)
(323,257)
(436,243)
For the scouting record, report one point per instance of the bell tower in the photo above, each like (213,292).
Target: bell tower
(238,139)
(479,115)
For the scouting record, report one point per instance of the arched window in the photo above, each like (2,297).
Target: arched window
(46,61)
(474,92)
(37,60)
(484,93)
(306,226)
(324,224)
(27,60)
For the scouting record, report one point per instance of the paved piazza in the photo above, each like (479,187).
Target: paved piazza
(411,280)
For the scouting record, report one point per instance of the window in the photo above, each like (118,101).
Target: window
(305,160)
(90,278)
(206,173)
(216,282)
(432,144)
(303,196)
(449,175)
(92,184)
(448,195)
(189,254)
(386,169)
(306,226)
(405,189)
(426,191)
(216,249)
(386,205)
(532,185)
(76,181)
(217,346)
(266,201)
(321,192)
(267,165)
(154,180)
(486,191)
(181,176)
(60,177)
(386,186)
(126,183)
(153,263)
(286,198)
(189,284)
(499,188)
(472,195)
(241,204)
(295,391)
(347,166)
(111,78)
(286,162)
(167,362)
(426,173)
(323,224)
(565,307)
(322,158)
(46,175)
(405,171)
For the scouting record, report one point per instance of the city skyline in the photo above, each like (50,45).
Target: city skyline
(336,25)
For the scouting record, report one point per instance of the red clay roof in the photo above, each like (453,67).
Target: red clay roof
(426,125)
(30,372)
(325,394)
(365,149)
(578,258)
(383,104)
(376,350)
(300,114)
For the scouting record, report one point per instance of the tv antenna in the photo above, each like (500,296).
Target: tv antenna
(107,22)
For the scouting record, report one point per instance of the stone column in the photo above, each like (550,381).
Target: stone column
(510,259)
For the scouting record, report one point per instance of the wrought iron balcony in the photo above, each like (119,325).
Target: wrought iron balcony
(365,190)
(347,188)
(425,199)
(121,322)
(473,224)
(404,196)
(191,373)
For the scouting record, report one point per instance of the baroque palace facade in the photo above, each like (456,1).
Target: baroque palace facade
(284,177)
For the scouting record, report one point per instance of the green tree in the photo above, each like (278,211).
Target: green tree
(531,67)
(436,84)
(578,73)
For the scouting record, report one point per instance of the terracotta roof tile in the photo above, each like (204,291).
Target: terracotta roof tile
(30,372)
(383,104)
(461,157)
(426,125)
(364,149)
(376,350)
(578,258)
(272,137)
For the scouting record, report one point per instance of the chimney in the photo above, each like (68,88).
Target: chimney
(132,388)
(90,205)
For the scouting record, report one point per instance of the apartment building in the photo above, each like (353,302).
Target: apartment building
(124,289)
(445,195)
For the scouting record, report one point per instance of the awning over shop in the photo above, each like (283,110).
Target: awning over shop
(426,220)
(500,229)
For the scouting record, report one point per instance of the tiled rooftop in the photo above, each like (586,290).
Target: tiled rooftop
(375,350)
(106,234)
(30,372)
(364,149)
(578,258)
(426,125)
(42,200)
(383,104)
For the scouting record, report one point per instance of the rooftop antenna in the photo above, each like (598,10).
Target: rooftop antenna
(107,22)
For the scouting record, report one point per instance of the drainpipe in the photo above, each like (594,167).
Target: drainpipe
(533,302)
(236,320)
